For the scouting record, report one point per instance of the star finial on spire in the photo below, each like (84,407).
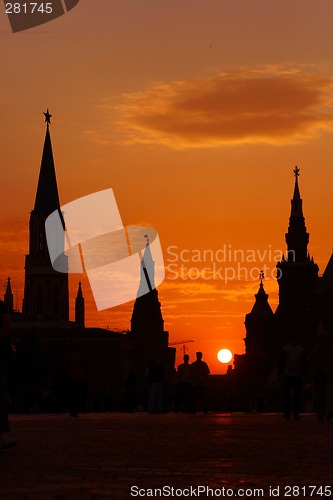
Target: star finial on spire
(47,117)
(261,275)
(147,238)
(296,172)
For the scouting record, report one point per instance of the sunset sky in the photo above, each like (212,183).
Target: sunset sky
(195,112)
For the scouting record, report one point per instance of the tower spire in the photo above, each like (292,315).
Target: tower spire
(147,315)
(45,290)
(79,307)
(8,297)
(297,238)
(147,271)
(297,277)
(47,197)
(296,202)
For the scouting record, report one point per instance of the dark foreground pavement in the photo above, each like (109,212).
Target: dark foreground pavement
(100,456)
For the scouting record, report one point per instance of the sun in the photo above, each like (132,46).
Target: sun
(224,355)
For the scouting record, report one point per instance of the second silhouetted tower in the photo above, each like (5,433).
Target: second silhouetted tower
(147,328)
(297,276)
(147,324)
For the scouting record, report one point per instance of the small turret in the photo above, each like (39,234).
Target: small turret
(8,297)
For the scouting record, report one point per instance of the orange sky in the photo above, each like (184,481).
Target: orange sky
(195,113)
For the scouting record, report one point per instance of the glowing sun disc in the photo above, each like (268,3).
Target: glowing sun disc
(224,355)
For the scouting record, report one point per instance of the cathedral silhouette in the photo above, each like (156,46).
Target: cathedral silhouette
(305,309)
(43,332)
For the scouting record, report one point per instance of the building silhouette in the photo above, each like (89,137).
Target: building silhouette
(260,338)
(305,308)
(298,309)
(43,332)
(45,290)
(147,329)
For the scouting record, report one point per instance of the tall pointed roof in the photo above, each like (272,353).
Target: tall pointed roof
(147,272)
(296,202)
(47,197)
(8,287)
(79,292)
(147,316)
(79,307)
(297,238)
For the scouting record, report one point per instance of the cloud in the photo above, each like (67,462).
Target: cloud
(189,292)
(268,104)
(14,235)
(203,314)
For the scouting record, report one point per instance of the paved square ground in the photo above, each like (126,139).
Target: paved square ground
(100,456)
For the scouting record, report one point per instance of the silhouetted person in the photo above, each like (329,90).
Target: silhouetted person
(184,393)
(291,367)
(155,378)
(6,440)
(199,376)
(75,372)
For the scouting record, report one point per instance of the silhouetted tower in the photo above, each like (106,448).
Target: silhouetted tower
(79,307)
(255,366)
(45,290)
(147,323)
(297,276)
(8,297)
(147,329)
(297,238)
(253,369)
(258,324)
